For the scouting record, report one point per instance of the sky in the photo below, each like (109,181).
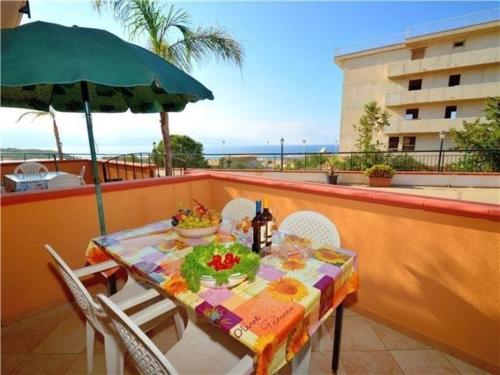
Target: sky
(289,85)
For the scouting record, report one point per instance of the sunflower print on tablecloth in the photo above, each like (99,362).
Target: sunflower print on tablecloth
(293,263)
(175,285)
(287,289)
(330,256)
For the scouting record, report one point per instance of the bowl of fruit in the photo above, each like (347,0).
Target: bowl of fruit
(198,222)
(219,265)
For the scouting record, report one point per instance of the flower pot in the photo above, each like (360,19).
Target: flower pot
(332,180)
(379,181)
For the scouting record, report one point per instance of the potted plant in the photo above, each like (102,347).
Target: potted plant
(380,175)
(334,164)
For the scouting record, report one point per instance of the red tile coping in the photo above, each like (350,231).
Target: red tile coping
(7,199)
(440,205)
(226,170)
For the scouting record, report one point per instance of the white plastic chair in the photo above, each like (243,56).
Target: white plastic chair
(202,349)
(313,226)
(31,168)
(131,295)
(238,208)
(64,180)
(81,175)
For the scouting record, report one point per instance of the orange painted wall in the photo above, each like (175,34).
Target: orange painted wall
(28,284)
(432,275)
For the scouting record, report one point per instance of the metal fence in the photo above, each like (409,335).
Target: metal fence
(426,160)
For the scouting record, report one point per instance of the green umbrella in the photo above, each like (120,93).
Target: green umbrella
(77,69)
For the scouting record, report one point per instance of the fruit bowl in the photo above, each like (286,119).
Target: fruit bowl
(233,280)
(197,232)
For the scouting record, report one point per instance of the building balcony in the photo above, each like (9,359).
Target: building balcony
(413,278)
(425,125)
(450,61)
(443,94)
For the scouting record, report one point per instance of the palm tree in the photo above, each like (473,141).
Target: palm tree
(171,35)
(38,114)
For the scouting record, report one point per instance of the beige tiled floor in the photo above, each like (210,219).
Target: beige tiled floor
(53,342)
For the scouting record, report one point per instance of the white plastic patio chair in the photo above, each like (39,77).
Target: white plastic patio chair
(81,175)
(313,226)
(64,180)
(238,208)
(131,295)
(31,168)
(203,349)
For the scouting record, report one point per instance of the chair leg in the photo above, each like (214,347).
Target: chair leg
(114,355)
(90,333)
(179,325)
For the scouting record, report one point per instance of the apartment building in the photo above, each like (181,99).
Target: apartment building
(429,82)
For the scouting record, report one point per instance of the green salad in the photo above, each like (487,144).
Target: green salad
(218,261)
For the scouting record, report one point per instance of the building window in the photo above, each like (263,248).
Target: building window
(411,114)
(454,80)
(409,143)
(458,43)
(418,53)
(393,143)
(415,84)
(451,111)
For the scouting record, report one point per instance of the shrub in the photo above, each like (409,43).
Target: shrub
(380,171)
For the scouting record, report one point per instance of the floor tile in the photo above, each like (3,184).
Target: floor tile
(46,364)
(79,367)
(10,362)
(25,335)
(420,362)
(462,367)
(5,329)
(350,313)
(370,363)
(394,340)
(357,334)
(59,312)
(321,363)
(164,335)
(67,337)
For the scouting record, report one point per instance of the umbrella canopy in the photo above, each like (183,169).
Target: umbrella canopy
(77,69)
(41,64)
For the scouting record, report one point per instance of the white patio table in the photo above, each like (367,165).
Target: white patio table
(29,182)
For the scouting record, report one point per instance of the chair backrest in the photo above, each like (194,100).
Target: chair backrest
(313,226)
(89,307)
(81,175)
(64,180)
(146,355)
(238,208)
(31,168)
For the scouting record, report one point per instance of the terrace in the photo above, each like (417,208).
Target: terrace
(429,269)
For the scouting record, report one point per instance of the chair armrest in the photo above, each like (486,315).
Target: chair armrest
(99,267)
(243,367)
(153,311)
(137,299)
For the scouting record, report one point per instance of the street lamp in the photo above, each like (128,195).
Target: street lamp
(305,160)
(282,141)
(442,135)
(156,161)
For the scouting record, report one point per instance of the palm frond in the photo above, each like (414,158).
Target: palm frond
(34,115)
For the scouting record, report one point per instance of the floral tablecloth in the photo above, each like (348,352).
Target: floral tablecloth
(274,315)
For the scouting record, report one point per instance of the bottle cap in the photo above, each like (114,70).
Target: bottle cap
(266,202)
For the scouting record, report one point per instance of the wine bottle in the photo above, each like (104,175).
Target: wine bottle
(258,225)
(268,218)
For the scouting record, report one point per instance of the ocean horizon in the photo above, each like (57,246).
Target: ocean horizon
(269,149)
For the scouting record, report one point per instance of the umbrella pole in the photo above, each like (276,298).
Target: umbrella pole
(111,280)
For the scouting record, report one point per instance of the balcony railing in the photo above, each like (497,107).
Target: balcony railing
(426,125)
(471,19)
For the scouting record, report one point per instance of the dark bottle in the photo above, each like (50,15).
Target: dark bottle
(258,225)
(268,218)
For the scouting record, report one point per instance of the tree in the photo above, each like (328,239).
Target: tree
(185,148)
(481,134)
(38,114)
(172,36)
(371,122)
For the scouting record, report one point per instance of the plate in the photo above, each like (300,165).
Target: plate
(196,232)
(233,280)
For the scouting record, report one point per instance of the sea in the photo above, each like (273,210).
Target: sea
(269,149)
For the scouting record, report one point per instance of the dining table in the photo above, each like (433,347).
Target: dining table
(29,182)
(275,315)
